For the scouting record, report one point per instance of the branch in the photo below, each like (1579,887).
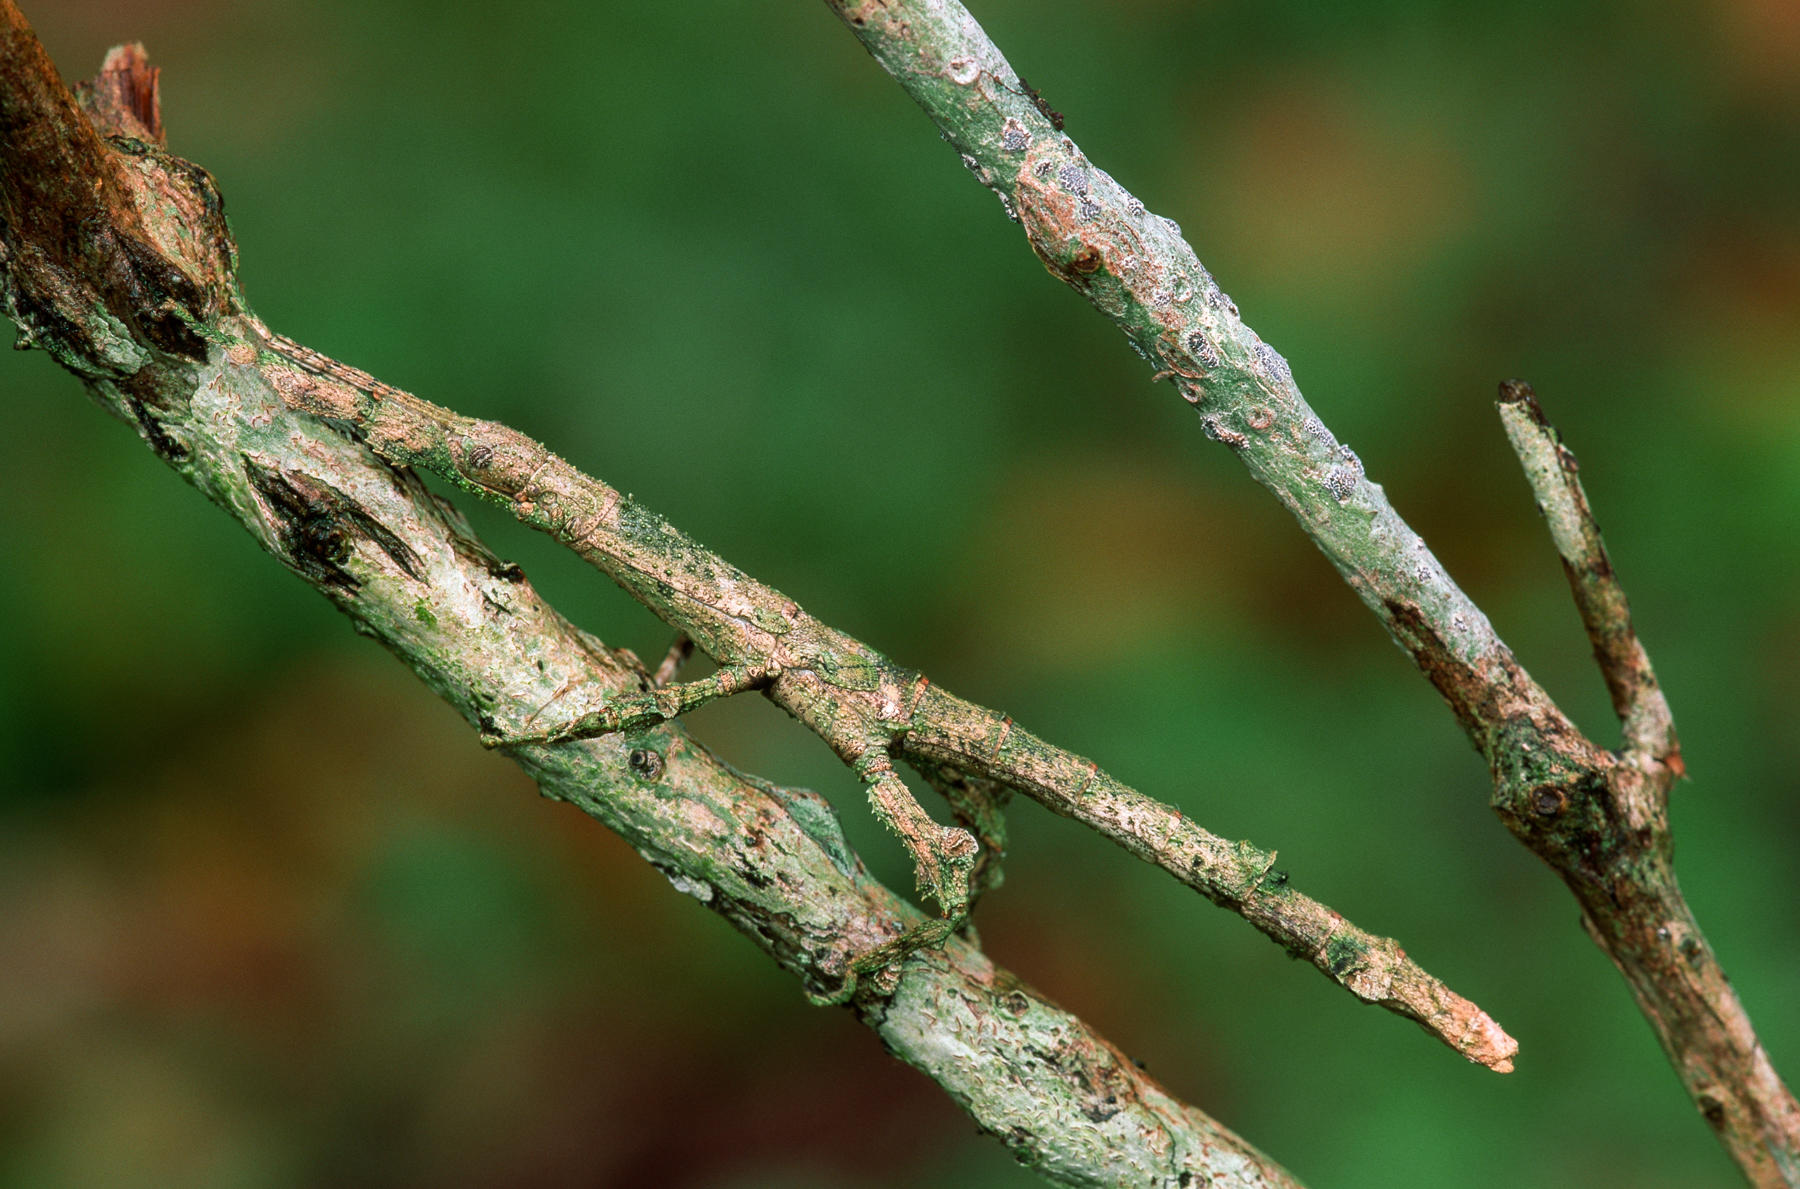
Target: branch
(852,696)
(83,266)
(1606,831)
(1599,819)
(408,572)
(1605,613)
(1135,268)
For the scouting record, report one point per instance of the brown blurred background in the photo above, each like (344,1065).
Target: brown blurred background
(270,917)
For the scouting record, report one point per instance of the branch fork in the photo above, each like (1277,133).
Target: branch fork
(1598,818)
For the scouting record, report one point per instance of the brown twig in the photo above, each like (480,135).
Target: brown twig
(83,269)
(1605,613)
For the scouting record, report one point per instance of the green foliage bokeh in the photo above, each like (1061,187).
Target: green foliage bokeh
(268,915)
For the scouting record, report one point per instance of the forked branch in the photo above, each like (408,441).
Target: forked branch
(1605,612)
(1599,819)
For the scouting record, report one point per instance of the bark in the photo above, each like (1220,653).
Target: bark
(409,573)
(1599,818)
(856,699)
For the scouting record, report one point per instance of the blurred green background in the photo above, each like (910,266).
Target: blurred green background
(270,917)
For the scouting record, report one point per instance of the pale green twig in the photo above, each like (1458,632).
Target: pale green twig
(1135,268)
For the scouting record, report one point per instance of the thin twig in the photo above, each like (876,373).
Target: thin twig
(677,656)
(1605,612)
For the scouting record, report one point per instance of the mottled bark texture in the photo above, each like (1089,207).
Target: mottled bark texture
(860,702)
(1598,817)
(407,570)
